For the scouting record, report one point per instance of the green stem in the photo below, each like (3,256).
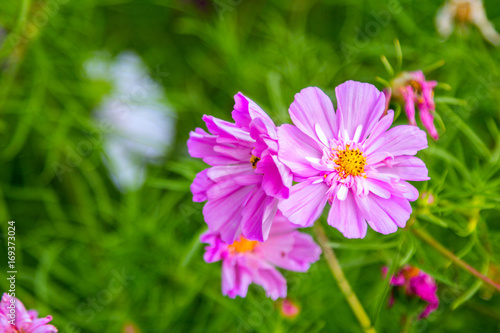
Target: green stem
(408,320)
(342,282)
(424,235)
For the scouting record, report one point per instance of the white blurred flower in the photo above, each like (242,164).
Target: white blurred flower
(464,12)
(140,125)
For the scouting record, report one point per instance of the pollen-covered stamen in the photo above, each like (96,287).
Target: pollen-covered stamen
(410,272)
(463,13)
(242,245)
(254,160)
(417,88)
(350,162)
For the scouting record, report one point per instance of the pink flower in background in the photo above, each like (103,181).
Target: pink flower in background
(463,13)
(413,89)
(246,179)
(350,160)
(24,321)
(289,309)
(414,282)
(245,261)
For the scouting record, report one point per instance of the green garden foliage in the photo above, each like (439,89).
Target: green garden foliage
(98,259)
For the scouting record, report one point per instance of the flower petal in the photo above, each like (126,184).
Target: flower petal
(229,198)
(382,126)
(358,104)
(406,168)
(376,217)
(272,281)
(294,149)
(311,108)
(428,121)
(385,215)
(445,19)
(245,110)
(277,178)
(208,147)
(347,218)
(409,98)
(258,214)
(293,251)
(380,188)
(235,278)
(306,202)
(231,172)
(399,140)
(215,247)
(200,186)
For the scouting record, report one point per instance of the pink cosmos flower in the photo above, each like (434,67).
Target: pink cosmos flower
(245,261)
(413,89)
(416,283)
(246,179)
(351,160)
(24,321)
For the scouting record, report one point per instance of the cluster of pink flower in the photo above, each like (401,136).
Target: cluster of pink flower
(349,159)
(412,88)
(14,318)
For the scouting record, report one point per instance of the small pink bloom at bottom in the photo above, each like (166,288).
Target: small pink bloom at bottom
(289,309)
(247,261)
(14,318)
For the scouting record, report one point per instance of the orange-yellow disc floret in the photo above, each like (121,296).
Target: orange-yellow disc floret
(350,162)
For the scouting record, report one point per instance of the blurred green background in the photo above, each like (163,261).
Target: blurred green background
(100,259)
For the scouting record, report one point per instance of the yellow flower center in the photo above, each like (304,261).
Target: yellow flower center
(350,162)
(463,13)
(254,160)
(242,245)
(416,86)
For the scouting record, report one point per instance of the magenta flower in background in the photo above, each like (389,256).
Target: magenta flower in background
(350,160)
(289,309)
(24,321)
(246,179)
(414,282)
(412,88)
(245,261)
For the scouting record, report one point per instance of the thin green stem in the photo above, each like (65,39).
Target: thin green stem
(424,235)
(408,320)
(342,282)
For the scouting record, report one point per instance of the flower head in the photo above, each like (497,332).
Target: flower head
(412,88)
(246,179)
(414,282)
(289,309)
(465,12)
(12,309)
(245,261)
(350,160)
